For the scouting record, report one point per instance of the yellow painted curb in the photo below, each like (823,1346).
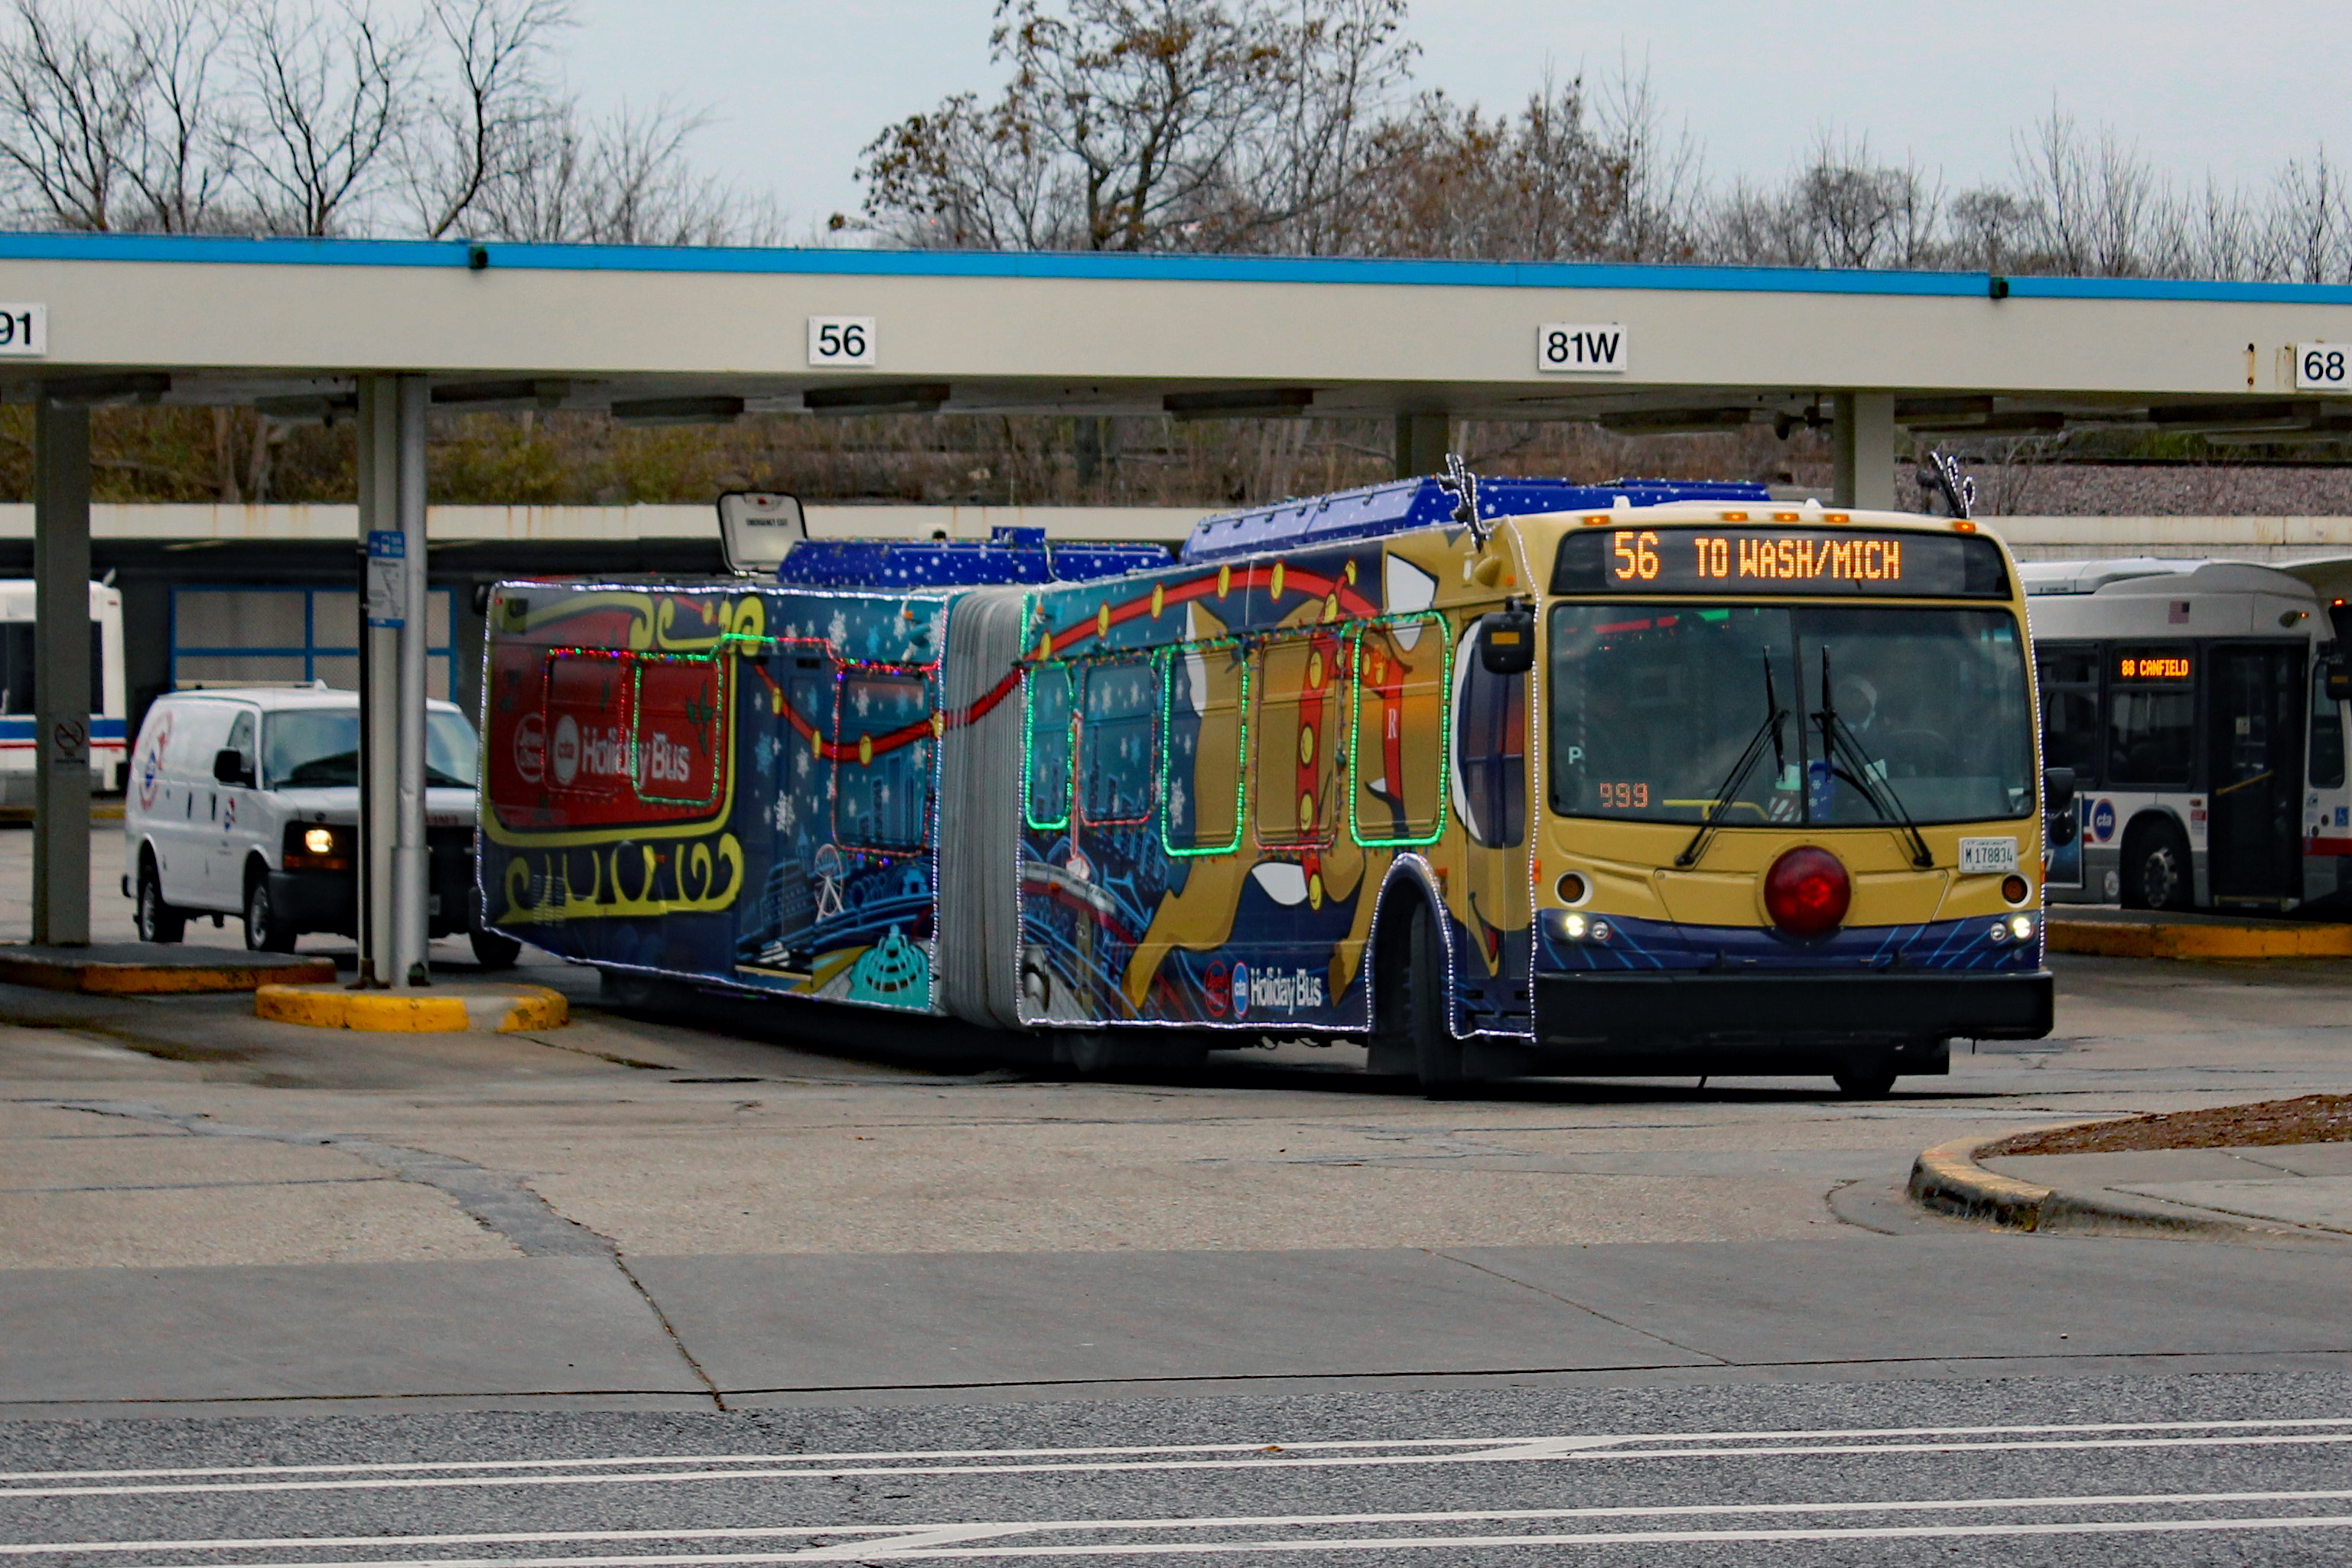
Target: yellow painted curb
(406,1013)
(2125,939)
(100,979)
(536,1008)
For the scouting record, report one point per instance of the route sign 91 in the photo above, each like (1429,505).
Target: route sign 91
(2323,367)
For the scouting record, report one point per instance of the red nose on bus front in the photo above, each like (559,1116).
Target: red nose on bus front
(1807,892)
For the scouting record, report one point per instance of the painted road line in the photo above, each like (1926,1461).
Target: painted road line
(870,1550)
(1506,1446)
(1516,1454)
(897,1534)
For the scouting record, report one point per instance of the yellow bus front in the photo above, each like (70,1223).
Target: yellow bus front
(1790,793)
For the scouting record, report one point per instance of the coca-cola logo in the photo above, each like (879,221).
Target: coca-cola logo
(530,747)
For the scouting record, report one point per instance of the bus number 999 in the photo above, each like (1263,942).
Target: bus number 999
(1616,796)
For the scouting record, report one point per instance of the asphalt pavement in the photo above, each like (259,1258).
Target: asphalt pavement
(708,1285)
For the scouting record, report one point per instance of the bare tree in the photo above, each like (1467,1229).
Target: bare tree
(72,106)
(2307,232)
(1145,125)
(624,180)
(481,124)
(326,93)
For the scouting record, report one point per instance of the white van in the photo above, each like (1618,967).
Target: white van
(245,800)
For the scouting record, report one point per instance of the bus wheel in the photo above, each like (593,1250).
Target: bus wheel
(157,920)
(2155,868)
(1864,1080)
(1414,1005)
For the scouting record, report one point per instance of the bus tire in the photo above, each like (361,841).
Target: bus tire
(1413,1006)
(1864,1080)
(492,949)
(2157,869)
(156,920)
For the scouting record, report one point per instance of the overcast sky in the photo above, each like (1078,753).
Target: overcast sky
(799,86)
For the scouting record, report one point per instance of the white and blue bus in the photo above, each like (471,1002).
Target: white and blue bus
(107,741)
(2198,705)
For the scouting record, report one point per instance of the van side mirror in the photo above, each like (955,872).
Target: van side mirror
(2057,789)
(1506,639)
(228,767)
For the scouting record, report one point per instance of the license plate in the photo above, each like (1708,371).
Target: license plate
(1981,856)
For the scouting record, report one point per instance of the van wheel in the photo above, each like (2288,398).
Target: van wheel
(2155,868)
(264,931)
(157,920)
(1413,1006)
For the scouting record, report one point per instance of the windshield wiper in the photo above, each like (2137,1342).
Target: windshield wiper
(1863,770)
(1774,717)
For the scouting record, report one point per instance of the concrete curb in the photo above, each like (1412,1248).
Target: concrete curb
(501,1010)
(1949,1180)
(2135,939)
(56,969)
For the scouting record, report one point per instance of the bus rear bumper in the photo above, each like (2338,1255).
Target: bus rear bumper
(1826,1013)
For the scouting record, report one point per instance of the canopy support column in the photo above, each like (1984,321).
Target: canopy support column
(411,868)
(1864,436)
(379,477)
(61,674)
(1422,442)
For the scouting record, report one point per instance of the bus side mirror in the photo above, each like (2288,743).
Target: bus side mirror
(2058,823)
(1507,640)
(2337,680)
(228,767)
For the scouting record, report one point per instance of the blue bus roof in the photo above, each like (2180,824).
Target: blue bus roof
(1008,555)
(1425,503)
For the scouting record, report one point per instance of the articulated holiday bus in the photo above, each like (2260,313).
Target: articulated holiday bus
(1636,780)
(2192,703)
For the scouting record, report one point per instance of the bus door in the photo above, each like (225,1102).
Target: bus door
(2254,732)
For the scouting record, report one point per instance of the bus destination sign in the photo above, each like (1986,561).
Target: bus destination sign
(2165,666)
(1813,561)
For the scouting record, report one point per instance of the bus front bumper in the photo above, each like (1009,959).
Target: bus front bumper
(1665,1013)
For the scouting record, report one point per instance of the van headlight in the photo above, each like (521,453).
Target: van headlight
(319,840)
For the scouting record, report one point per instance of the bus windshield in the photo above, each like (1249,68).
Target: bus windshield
(312,747)
(1693,712)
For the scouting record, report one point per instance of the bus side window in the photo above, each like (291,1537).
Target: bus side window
(1397,753)
(1492,749)
(2150,735)
(1121,709)
(2071,733)
(680,722)
(882,780)
(1051,696)
(1201,760)
(2326,733)
(1300,716)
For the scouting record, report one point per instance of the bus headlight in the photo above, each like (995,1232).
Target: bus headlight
(1573,925)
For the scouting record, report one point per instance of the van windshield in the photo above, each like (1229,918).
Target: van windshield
(312,747)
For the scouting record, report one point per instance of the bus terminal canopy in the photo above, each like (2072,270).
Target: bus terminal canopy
(681,335)
(381,333)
